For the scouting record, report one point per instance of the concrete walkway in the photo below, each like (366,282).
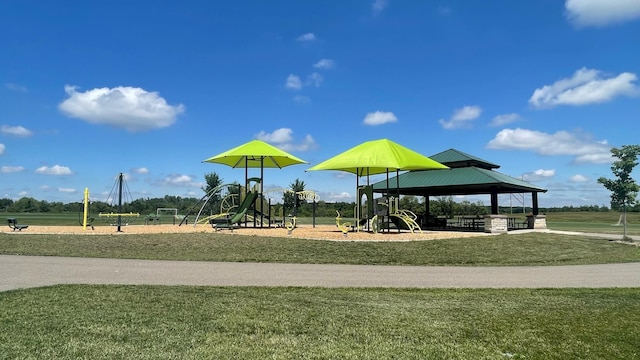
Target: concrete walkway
(35,271)
(635,238)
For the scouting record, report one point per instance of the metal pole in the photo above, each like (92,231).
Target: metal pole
(398,190)
(86,208)
(119,201)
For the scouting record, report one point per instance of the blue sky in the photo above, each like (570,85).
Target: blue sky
(91,89)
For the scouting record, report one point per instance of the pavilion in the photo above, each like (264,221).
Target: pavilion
(467,175)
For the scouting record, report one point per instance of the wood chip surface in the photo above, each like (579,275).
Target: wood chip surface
(320,232)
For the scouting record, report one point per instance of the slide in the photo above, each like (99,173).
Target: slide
(402,221)
(242,210)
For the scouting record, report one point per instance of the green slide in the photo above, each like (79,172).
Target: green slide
(242,209)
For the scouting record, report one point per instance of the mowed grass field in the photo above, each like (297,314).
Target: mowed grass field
(154,322)
(151,322)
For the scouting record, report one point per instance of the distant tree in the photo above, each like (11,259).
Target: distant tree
(27,205)
(411,203)
(213,180)
(624,189)
(442,206)
(291,201)
(5,204)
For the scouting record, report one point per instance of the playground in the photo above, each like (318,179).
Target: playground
(249,209)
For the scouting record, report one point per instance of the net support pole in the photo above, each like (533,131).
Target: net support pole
(120,178)
(86,209)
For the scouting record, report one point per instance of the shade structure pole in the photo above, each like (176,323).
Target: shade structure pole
(119,201)
(369,205)
(356,216)
(398,189)
(261,190)
(246,184)
(388,203)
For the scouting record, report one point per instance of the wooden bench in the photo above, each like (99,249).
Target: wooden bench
(13,224)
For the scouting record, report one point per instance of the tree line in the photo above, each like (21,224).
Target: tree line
(443,206)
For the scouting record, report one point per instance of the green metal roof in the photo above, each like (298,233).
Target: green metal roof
(456,181)
(454,158)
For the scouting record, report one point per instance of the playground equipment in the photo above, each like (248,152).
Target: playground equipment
(223,197)
(86,220)
(345,227)
(229,222)
(402,219)
(116,218)
(229,218)
(290,225)
(364,211)
(306,195)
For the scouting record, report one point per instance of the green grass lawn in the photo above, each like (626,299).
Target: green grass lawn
(150,322)
(511,249)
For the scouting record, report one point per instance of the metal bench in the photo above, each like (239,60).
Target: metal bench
(13,224)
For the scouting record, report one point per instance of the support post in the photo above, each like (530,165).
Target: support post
(86,209)
(120,201)
(494,203)
(534,203)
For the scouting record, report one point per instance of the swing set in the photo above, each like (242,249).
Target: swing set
(112,218)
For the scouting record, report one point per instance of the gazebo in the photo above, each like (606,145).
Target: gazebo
(467,175)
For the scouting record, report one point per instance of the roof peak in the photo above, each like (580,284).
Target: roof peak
(455,158)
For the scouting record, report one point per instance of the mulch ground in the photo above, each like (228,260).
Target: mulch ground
(320,232)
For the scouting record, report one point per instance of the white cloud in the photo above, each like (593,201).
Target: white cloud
(379,118)
(293,82)
(308,37)
(540,174)
(308,143)
(504,119)
(53,170)
(180,180)
(302,99)
(582,147)
(378,5)
(278,136)
(578,178)
(325,64)
(67,190)
(141,170)
(16,87)
(15,131)
(462,117)
(133,109)
(11,169)
(586,86)
(283,139)
(2,147)
(339,197)
(601,12)
(314,79)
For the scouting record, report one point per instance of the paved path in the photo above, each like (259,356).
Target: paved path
(34,271)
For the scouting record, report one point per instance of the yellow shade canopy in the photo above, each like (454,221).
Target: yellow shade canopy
(255,154)
(378,157)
